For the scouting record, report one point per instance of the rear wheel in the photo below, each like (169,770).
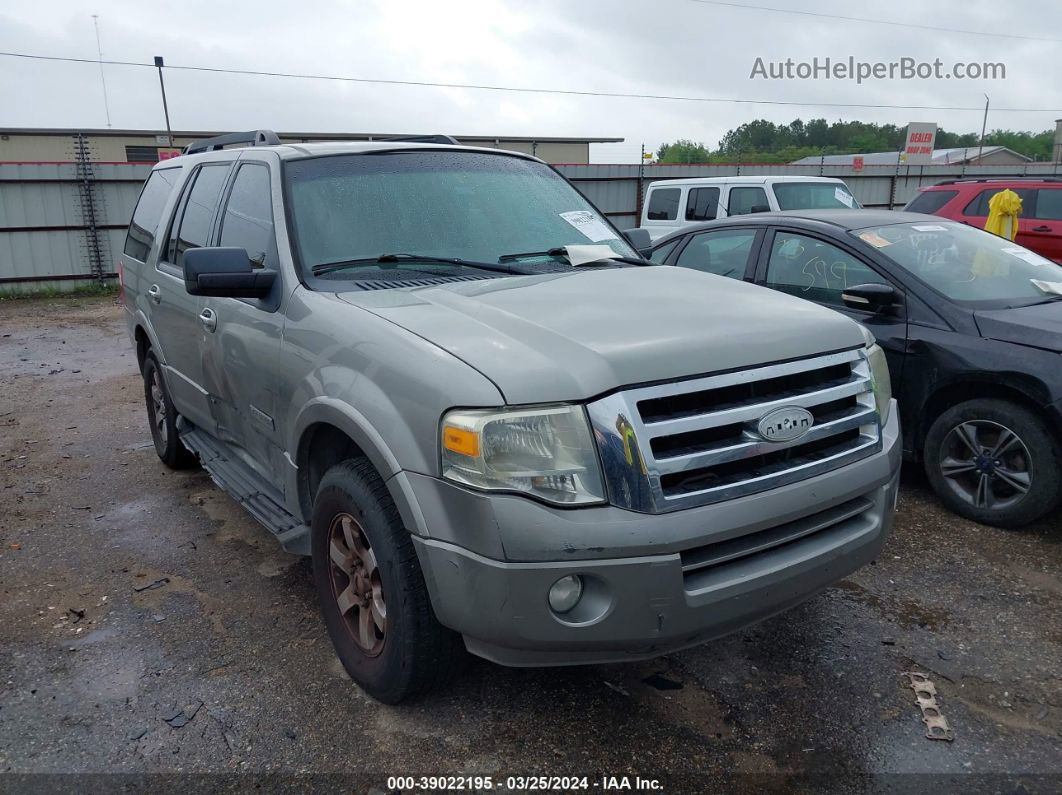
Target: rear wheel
(372,591)
(994,461)
(162,417)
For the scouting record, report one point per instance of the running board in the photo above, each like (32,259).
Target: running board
(248,488)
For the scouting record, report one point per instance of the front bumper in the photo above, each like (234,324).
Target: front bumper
(659,596)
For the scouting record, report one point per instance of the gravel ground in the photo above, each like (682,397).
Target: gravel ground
(149,626)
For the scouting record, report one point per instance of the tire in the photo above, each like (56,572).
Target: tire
(372,591)
(994,461)
(162,418)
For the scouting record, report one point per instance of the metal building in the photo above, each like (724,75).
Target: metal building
(25,145)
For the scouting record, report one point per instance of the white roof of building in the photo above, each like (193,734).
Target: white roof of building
(749,179)
(941,157)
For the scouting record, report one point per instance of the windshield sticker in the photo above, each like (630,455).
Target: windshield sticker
(929,227)
(876,240)
(581,255)
(1051,288)
(843,196)
(1029,256)
(589,224)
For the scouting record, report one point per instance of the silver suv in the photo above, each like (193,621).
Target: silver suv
(443,374)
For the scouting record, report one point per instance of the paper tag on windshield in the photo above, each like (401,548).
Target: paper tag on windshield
(1029,256)
(1053,288)
(843,196)
(929,227)
(589,224)
(580,255)
(876,240)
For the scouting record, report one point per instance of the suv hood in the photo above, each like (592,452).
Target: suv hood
(573,336)
(1036,326)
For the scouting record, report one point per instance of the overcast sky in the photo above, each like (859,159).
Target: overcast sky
(675,47)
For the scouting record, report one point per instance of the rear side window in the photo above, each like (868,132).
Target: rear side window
(702,204)
(660,254)
(1049,204)
(148,212)
(724,252)
(979,206)
(197,219)
(747,200)
(930,201)
(663,204)
(248,219)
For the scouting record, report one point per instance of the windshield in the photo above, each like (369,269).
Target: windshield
(438,205)
(967,265)
(813,196)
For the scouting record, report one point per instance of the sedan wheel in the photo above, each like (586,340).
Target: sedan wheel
(994,461)
(987,464)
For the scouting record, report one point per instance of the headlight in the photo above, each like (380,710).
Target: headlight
(879,377)
(546,452)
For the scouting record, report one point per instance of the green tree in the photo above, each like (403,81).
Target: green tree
(683,151)
(765,141)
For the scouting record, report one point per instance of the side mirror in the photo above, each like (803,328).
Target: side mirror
(640,241)
(870,297)
(759,208)
(225,272)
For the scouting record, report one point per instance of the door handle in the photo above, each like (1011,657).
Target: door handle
(209,319)
(1042,228)
(154,293)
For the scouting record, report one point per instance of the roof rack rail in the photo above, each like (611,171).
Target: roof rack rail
(1000,179)
(252,137)
(424,139)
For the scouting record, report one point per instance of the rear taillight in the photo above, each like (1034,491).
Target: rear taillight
(121,283)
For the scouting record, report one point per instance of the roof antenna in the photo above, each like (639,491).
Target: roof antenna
(103,80)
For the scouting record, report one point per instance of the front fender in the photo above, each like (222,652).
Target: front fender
(337,413)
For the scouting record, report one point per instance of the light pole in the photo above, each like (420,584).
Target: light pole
(984,124)
(165,108)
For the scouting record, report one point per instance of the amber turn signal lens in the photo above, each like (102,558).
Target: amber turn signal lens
(461,441)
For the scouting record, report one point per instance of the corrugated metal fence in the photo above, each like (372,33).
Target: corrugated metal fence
(63,224)
(618,190)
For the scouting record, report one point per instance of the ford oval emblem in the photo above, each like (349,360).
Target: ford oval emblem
(785,424)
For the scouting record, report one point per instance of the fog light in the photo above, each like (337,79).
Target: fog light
(564,593)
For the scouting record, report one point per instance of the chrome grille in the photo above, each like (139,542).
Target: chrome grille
(687,443)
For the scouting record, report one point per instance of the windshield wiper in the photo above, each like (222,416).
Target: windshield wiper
(553,252)
(1049,300)
(385,259)
(560,252)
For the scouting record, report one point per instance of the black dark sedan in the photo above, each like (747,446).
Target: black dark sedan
(971,324)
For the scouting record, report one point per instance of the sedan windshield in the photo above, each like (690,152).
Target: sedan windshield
(968,265)
(813,196)
(437,212)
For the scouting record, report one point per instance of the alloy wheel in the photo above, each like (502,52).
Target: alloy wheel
(986,464)
(356,584)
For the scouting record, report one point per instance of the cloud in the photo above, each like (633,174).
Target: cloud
(675,47)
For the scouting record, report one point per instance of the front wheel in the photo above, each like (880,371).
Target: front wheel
(994,461)
(372,591)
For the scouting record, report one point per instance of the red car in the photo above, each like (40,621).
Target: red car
(966,201)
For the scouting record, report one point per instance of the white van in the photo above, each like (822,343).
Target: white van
(672,204)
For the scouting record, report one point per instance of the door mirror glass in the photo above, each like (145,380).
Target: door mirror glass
(225,272)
